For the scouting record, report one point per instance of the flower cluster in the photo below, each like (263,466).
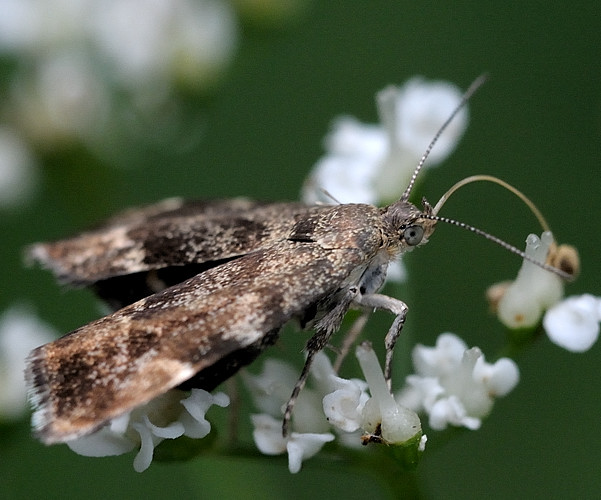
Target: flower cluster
(536,294)
(332,404)
(82,65)
(533,291)
(454,385)
(368,163)
(168,416)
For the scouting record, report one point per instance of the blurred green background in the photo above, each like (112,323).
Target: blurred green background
(536,124)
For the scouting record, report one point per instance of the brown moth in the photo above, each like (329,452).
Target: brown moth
(202,288)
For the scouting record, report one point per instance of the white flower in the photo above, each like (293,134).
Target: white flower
(63,99)
(534,290)
(373,163)
(165,417)
(18,175)
(574,323)
(344,406)
(20,332)
(35,26)
(18,23)
(454,385)
(148,42)
(300,446)
(272,387)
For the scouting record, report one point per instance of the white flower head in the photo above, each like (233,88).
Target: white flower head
(574,322)
(33,26)
(454,385)
(147,43)
(63,99)
(534,290)
(166,417)
(20,332)
(373,163)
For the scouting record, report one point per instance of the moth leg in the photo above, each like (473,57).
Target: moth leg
(350,339)
(396,307)
(324,329)
(300,383)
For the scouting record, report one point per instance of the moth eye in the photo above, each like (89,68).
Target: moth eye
(413,235)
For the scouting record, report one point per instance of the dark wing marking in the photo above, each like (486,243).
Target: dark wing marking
(121,361)
(169,234)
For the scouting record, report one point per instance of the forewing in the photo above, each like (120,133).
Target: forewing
(169,234)
(123,360)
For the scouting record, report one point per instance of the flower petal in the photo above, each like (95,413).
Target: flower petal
(303,446)
(267,434)
(103,443)
(574,323)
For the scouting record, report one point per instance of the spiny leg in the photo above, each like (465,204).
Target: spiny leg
(315,344)
(396,307)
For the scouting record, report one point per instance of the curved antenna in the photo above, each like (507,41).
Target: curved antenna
(559,272)
(495,180)
(529,203)
(533,208)
(476,84)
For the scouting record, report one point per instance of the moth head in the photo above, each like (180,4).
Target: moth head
(409,225)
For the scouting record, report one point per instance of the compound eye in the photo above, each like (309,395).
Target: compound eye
(413,235)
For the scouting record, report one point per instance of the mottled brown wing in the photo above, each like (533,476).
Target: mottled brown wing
(123,360)
(170,234)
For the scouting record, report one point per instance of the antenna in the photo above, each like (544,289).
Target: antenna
(507,246)
(573,263)
(476,84)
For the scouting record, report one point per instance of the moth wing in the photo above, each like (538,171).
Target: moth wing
(169,234)
(108,367)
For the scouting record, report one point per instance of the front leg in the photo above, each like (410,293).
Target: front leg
(396,307)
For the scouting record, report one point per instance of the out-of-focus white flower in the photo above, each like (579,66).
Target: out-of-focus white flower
(77,58)
(18,175)
(166,417)
(35,26)
(63,99)
(373,163)
(454,385)
(20,332)
(574,322)
(150,42)
(534,290)
(18,24)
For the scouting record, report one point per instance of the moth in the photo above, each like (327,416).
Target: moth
(200,289)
